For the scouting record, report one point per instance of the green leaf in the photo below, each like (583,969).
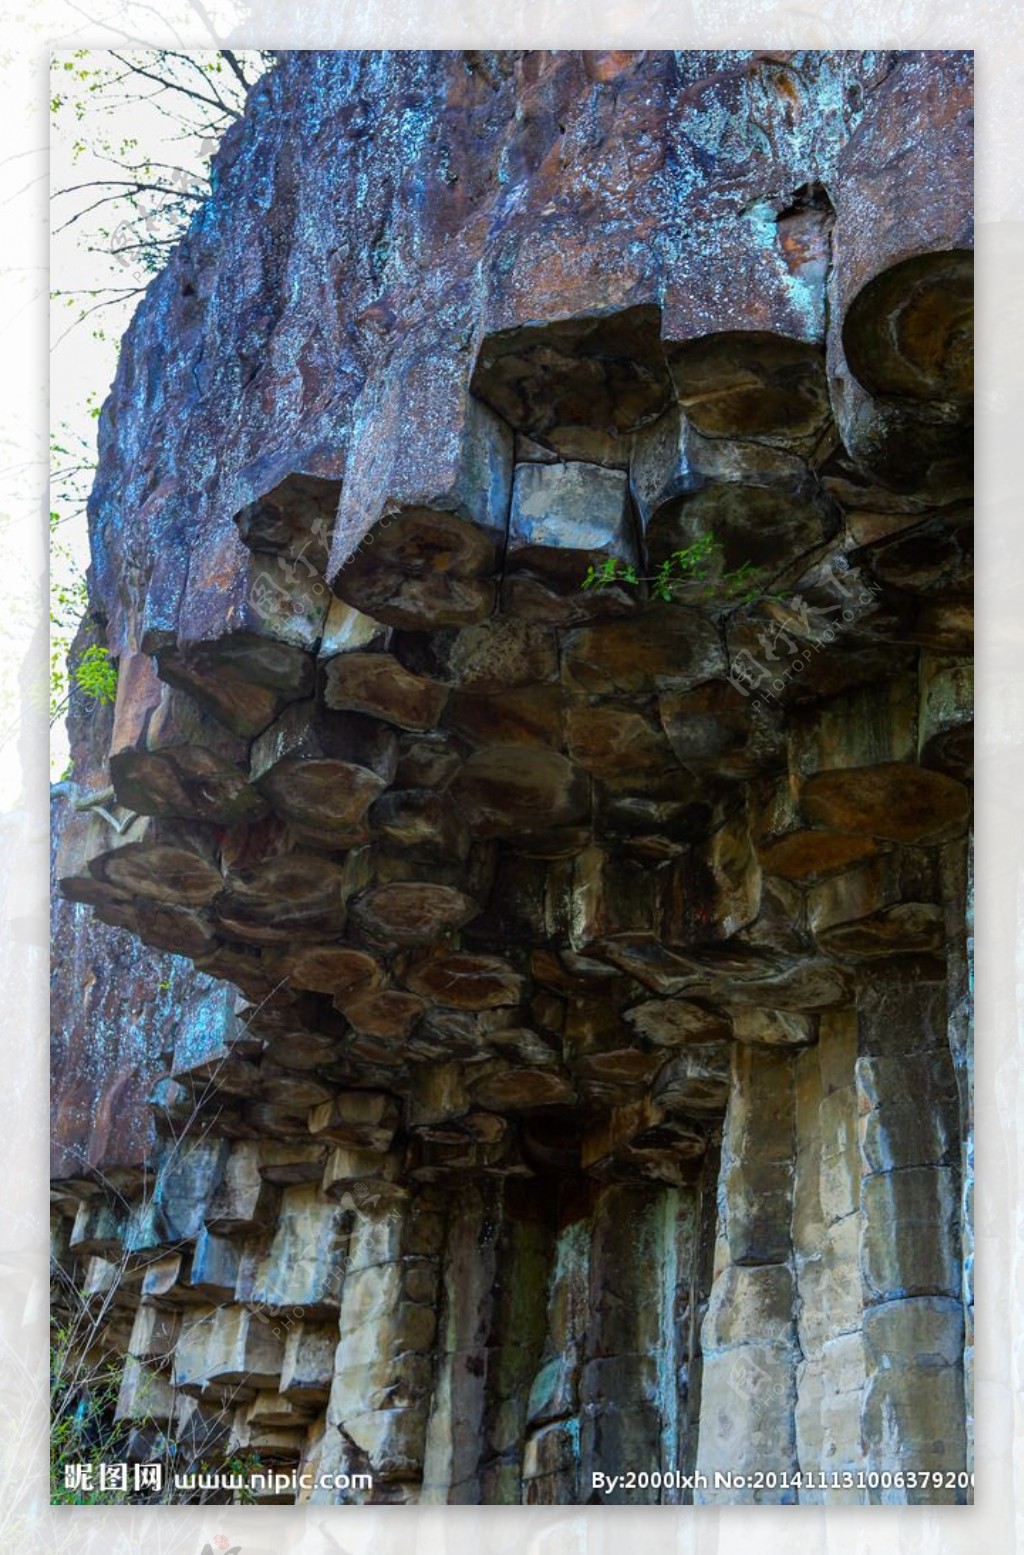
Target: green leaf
(96,676)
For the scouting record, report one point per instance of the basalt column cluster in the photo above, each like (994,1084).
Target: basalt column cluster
(508,1030)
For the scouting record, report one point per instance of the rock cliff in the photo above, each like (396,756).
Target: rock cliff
(510,1032)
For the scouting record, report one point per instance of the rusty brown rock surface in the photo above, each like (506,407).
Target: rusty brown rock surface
(577,934)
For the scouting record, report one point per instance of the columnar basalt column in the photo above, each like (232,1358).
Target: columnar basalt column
(748,1337)
(826,1241)
(910,1236)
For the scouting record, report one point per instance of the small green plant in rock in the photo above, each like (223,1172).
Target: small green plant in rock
(96,675)
(690,572)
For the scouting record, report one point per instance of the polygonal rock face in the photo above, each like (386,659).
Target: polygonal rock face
(895,802)
(545,603)
(420,823)
(910,332)
(531,715)
(522,1089)
(643,1138)
(907,926)
(296,895)
(465,982)
(325,800)
(360,1118)
(618,745)
(413,912)
(507,789)
(493,656)
(333,969)
(668,649)
(810,985)
(696,1082)
(425,569)
(606,373)
(376,683)
(169,758)
(758,503)
(245,680)
(772,1028)
(169,862)
(931,558)
(709,727)
(755,525)
(565,517)
(803,855)
(177,929)
(185,782)
(753,385)
(384,1013)
(946,731)
(678,1022)
(294,519)
(322,774)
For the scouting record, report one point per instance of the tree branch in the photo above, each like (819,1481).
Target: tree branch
(108,199)
(107,302)
(231,60)
(215,101)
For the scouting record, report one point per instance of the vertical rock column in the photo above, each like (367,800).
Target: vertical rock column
(913,1409)
(748,1337)
(826,1246)
(551,1466)
(630,1380)
(455,1435)
(961,1034)
(958,896)
(518,1317)
(384,1364)
(607,1417)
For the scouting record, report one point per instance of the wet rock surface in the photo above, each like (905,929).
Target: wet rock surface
(542,970)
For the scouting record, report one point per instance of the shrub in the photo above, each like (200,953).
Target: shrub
(95,675)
